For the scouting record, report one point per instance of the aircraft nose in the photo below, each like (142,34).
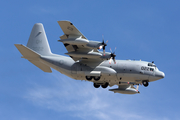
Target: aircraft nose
(163,75)
(160,74)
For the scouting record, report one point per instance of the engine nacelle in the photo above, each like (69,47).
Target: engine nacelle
(77,41)
(125,91)
(94,44)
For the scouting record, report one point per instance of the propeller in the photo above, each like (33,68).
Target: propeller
(112,56)
(103,45)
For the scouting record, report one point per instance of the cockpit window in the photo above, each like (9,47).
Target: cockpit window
(151,64)
(151,69)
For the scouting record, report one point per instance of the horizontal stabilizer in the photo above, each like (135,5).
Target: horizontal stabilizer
(41,66)
(33,57)
(27,52)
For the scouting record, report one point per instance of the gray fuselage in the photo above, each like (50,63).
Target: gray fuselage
(123,72)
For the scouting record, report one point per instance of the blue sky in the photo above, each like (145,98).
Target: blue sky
(146,30)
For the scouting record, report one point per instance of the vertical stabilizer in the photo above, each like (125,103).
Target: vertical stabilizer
(38,40)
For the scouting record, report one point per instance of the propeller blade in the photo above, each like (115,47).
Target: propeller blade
(110,60)
(104,52)
(106,41)
(103,45)
(114,50)
(114,60)
(111,50)
(113,55)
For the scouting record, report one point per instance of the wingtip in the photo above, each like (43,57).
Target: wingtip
(18,45)
(63,21)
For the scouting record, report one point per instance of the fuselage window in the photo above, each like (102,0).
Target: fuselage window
(151,69)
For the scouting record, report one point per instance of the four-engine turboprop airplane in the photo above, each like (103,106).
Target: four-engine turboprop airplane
(86,62)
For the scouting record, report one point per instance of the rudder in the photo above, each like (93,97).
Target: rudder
(38,40)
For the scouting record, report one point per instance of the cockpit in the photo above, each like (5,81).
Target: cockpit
(153,66)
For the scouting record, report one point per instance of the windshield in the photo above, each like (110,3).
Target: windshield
(151,69)
(152,65)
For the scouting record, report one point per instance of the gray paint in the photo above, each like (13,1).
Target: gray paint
(125,73)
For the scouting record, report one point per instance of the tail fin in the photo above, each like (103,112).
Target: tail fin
(38,40)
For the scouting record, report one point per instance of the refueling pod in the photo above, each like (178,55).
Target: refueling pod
(126,89)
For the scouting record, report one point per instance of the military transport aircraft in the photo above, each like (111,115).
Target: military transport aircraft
(86,62)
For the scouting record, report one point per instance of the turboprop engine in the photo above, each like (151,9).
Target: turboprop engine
(81,41)
(85,42)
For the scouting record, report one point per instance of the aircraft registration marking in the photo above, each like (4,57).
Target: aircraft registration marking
(38,41)
(38,48)
(145,68)
(70,28)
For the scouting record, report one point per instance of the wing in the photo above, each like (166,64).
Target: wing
(70,31)
(78,46)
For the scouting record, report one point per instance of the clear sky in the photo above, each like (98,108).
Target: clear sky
(140,29)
